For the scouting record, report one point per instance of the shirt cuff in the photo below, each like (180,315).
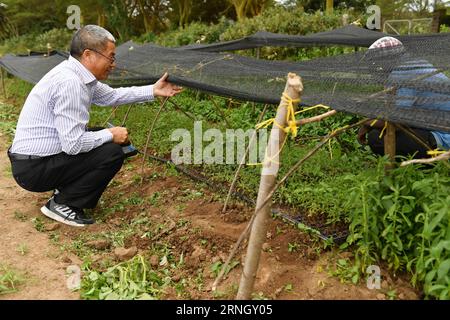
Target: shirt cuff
(146,92)
(105,135)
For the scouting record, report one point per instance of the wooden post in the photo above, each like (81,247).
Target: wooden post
(163,103)
(294,88)
(390,145)
(3,84)
(216,106)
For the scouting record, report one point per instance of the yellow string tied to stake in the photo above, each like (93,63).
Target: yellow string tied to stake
(290,117)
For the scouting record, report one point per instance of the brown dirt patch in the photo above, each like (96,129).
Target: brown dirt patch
(44,273)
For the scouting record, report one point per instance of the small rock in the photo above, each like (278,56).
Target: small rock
(176,277)
(99,244)
(266,246)
(381,296)
(154,261)
(124,253)
(269,235)
(401,296)
(52,226)
(198,253)
(384,284)
(278,291)
(96,258)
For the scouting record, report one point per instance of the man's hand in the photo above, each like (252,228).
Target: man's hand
(362,139)
(120,134)
(163,88)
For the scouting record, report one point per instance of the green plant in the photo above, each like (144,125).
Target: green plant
(403,219)
(292,247)
(20,216)
(217,266)
(345,271)
(38,224)
(23,249)
(130,280)
(9,280)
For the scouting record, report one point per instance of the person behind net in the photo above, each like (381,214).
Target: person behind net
(54,150)
(371,132)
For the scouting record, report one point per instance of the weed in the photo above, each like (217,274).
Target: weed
(20,216)
(292,247)
(23,249)
(129,280)
(38,224)
(9,280)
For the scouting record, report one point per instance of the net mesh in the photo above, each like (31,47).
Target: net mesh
(410,87)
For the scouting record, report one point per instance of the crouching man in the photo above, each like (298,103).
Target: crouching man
(53,149)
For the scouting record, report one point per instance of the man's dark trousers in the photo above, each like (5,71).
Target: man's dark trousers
(80,179)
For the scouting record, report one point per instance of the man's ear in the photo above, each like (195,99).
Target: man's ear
(86,56)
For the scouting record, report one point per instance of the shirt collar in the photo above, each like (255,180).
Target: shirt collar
(86,76)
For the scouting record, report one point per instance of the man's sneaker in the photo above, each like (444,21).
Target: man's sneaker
(65,214)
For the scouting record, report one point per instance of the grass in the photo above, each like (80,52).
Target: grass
(10,280)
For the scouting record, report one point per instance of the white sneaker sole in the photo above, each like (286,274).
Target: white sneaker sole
(58,218)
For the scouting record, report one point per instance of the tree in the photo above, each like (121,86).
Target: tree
(249,8)
(183,9)
(315,5)
(201,10)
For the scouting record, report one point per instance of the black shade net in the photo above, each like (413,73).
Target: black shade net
(409,87)
(350,35)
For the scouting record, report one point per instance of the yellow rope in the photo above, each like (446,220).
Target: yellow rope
(435,152)
(292,124)
(384,129)
(290,120)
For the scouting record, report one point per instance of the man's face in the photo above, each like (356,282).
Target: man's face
(101,63)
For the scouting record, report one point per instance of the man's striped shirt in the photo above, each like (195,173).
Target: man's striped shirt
(56,112)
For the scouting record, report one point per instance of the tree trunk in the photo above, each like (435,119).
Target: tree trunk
(294,88)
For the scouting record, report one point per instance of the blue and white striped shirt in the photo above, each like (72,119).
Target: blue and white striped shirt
(56,112)
(413,98)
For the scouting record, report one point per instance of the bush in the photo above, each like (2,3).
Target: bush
(59,39)
(403,219)
(195,32)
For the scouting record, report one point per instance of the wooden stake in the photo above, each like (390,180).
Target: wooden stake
(148,137)
(126,116)
(110,115)
(3,84)
(294,88)
(442,157)
(390,145)
(275,188)
(177,107)
(220,111)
